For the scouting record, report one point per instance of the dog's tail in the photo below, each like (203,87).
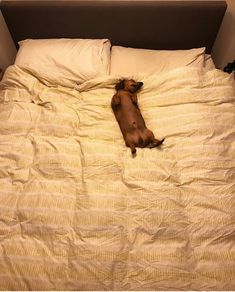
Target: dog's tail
(155,143)
(133,149)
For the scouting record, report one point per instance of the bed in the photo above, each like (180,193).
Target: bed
(77,210)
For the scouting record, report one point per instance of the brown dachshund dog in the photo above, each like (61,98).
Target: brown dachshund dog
(125,107)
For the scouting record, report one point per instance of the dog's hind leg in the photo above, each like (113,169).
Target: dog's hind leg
(155,143)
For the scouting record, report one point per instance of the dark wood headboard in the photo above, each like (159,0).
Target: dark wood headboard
(139,24)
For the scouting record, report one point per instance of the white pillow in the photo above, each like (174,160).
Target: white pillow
(65,61)
(209,64)
(130,61)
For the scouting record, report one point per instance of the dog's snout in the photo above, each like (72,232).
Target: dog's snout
(138,84)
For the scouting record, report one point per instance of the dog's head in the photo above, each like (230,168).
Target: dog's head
(129,85)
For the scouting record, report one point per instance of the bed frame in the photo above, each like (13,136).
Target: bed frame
(139,24)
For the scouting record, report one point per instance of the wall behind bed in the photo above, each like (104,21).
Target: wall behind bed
(224,47)
(7,47)
(222,52)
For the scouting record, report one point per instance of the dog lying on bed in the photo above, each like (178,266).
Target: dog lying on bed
(125,107)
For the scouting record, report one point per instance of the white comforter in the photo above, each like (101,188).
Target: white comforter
(78,212)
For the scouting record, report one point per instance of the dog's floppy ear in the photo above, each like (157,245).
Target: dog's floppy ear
(120,85)
(115,101)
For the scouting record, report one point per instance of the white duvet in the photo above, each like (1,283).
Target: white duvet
(78,212)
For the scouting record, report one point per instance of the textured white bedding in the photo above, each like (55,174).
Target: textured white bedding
(78,212)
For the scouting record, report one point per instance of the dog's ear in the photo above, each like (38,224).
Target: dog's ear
(115,101)
(120,85)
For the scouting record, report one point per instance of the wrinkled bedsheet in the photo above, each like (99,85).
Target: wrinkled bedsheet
(78,212)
